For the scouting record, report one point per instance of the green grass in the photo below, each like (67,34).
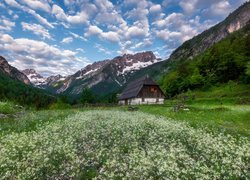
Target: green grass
(233,119)
(217,114)
(112,142)
(7,108)
(115,144)
(31,120)
(231,92)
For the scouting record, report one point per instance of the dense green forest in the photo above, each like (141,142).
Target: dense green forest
(228,60)
(23,94)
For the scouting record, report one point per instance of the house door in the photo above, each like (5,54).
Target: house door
(126,102)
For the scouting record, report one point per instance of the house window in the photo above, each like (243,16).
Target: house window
(153,89)
(143,99)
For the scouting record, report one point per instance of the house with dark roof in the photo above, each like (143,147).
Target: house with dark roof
(142,91)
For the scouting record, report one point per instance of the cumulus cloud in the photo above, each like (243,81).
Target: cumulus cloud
(41,19)
(78,18)
(189,6)
(6,24)
(176,28)
(37,29)
(212,8)
(26,53)
(110,35)
(155,8)
(67,40)
(37,4)
(221,8)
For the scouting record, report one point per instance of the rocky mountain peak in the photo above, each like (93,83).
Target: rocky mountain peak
(52,79)
(91,68)
(29,71)
(133,62)
(40,81)
(34,77)
(114,71)
(12,71)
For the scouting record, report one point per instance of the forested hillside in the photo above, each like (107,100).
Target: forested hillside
(23,94)
(227,60)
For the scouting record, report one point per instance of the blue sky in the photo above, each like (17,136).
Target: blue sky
(63,36)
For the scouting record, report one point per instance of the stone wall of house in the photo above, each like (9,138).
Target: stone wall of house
(137,101)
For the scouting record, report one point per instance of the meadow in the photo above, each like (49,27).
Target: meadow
(113,143)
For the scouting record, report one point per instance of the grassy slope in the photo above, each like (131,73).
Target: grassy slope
(225,108)
(233,119)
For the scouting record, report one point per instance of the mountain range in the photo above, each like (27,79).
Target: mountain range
(111,76)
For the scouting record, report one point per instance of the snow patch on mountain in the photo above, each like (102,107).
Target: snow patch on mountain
(87,73)
(35,78)
(40,81)
(137,66)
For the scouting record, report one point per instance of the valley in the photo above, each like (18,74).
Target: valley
(73,126)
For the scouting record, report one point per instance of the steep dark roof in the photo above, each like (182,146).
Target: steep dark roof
(134,87)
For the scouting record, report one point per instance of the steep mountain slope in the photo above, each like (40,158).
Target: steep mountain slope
(35,78)
(12,72)
(235,21)
(13,88)
(227,61)
(107,76)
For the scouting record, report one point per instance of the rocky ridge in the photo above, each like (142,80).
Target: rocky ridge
(13,72)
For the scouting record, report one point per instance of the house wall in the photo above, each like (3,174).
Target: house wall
(121,102)
(137,101)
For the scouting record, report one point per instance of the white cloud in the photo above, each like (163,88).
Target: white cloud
(15,16)
(137,14)
(171,19)
(80,50)
(135,31)
(2,5)
(77,36)
(41,19)
(78,18)
(104,5)
(212,8)
(145,43)
(189,6)
(47,59)
(37,29)
(221,8)
(13,3)
(110,35)
(37,4)
(168,35)
(155,8)
(6,24)
(138,30)
(93,30)
(102,49)
(67,40)
(177,28)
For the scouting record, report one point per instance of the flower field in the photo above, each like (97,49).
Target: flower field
(108,144)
